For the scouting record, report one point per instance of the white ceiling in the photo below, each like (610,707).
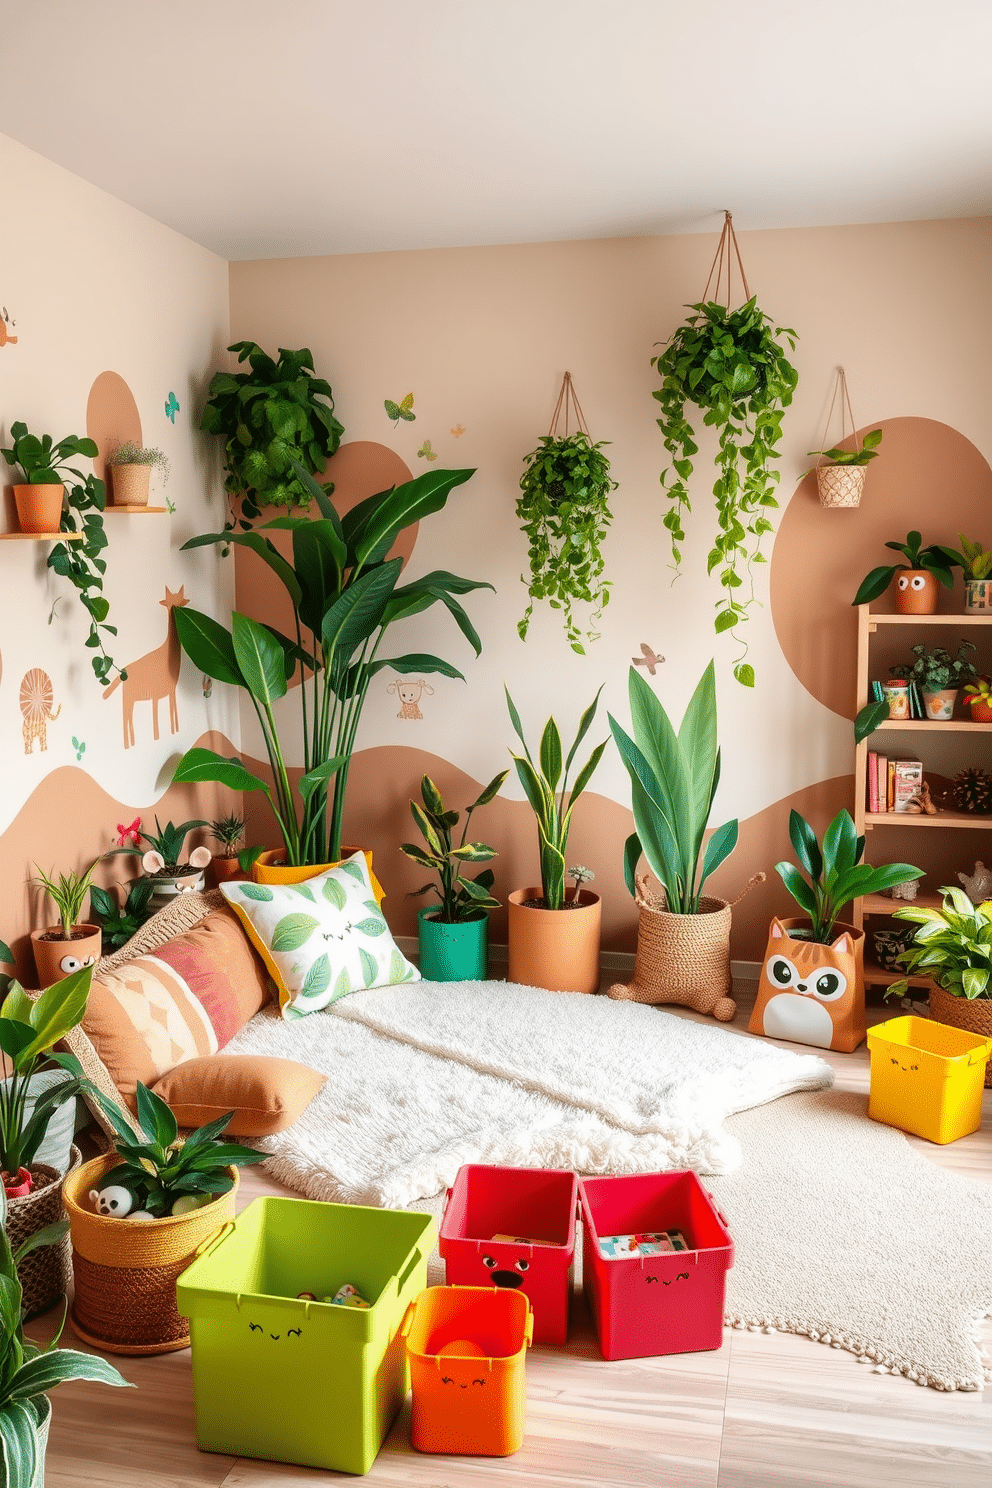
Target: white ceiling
(271,128)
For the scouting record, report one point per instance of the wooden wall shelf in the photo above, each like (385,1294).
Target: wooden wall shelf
(41,536)
(942,819)
(966,617)
(928,724)
(133,510)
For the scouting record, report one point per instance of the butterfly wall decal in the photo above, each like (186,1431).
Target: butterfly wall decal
(648,658)
(402,410)
(171,407)
(128,834)
(425,452)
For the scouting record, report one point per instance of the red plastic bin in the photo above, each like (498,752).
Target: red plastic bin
(536,1204)
(661,1304)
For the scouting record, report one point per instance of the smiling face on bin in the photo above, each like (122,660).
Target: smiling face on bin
(506,1270)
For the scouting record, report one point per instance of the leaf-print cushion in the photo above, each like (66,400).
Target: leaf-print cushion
(320,939)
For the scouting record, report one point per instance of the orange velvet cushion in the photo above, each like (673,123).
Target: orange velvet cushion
(185,1000)
(266,1095)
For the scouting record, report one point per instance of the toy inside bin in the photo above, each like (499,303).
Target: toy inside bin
(285,1378)
(468,1347)
(927,1078)
(667,1303)
(533,1209)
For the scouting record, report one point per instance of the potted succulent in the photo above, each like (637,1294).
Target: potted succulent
(978,697)
(119,921)
(454,935)
(183,1192)
(63,948)
(683,937)
(976,565)
(554,939)
(953,945)
(47,504)
(161,860)
(132,466)
(914,583)
(938,675)
(346,597)
(564,512)
(811,988)
(28,1372)
(228,831)
(840,483)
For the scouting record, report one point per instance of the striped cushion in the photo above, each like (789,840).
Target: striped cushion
(186,1000)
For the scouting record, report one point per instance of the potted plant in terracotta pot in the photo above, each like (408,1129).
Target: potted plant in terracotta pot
(812,987)
(162,860)
(454,935)
(228,832)
(841,481)
(914,583)
(554,938)
(976,566)
(39,462)
(63,948)
(132,465)
(683,936)
(978,698)
(953,945)
(938,675)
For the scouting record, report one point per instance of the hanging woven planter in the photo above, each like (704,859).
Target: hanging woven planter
(45,1273)
(841,481)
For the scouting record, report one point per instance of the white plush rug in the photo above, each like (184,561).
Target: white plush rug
(425,1077)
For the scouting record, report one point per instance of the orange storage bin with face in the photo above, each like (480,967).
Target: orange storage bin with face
(467,1349)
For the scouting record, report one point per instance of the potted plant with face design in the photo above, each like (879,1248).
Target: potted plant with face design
(63,948)
(915,582)
(162,859)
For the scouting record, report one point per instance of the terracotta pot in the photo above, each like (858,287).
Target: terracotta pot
(225,869)
(977,596)
(981,712)
(915,591)
(39,508)
(271,868)
(810,993)
(554,948)
(940,705)
(974,1015)
(130,483)
(55,959)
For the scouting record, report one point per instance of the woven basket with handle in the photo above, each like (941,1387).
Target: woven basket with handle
(45,1273)
(974,1015)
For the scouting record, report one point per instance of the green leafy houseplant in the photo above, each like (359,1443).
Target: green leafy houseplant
(933,559)
(229,832)
(67,893)
(130,453)
(28,1372)
(157,1168)
(673,780)
(936,670)
(972,558)
(862,456)
(731,366)
(836,873)
(346,597)
(461,898)
(269,417)
(553,806)
(118,923)
(953,945)
(165,848)
(43,462)
(564,512)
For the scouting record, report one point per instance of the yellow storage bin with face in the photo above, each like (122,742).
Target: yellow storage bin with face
(927,1078)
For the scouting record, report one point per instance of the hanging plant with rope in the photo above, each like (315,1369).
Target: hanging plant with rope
(564,513)
(730,365)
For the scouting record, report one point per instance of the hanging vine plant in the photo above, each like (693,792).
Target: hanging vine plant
(731,366)
(564,513)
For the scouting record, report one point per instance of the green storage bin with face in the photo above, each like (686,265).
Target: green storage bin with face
(288,1379)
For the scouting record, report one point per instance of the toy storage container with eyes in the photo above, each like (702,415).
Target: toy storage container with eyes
(468,1347)
(514,1228)
(670,1303)
(289,1378)
(927,1078)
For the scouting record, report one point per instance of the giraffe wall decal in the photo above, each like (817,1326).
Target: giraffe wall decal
(153,676)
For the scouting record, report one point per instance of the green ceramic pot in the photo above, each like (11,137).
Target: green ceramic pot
(453,953)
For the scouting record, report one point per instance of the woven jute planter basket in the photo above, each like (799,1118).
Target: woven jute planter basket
(840,485)
(45,1274)
(974,1015)
(125,1273)
(130,484)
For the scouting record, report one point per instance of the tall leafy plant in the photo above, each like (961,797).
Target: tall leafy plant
(730,364)
(462,898)
(953,945)
(673,780)
(346,597)
(836,874)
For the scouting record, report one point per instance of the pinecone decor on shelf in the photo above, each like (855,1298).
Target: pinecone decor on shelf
(972,791)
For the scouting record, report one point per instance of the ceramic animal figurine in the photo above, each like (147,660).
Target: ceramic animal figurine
(113,1202)
(977,885)
(811,993)
(153,676)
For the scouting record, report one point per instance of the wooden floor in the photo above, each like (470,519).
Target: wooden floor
(765,1411)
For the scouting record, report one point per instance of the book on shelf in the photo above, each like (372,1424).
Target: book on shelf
(872,781)
(890,785)
(907,783)
(876,691)
(881,783)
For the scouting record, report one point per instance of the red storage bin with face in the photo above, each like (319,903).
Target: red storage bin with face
(642,1304)
(534,1210)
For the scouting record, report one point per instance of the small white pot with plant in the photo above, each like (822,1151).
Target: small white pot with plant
(131,466)
(162,859)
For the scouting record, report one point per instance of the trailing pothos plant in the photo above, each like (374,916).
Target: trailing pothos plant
(731,366)
(564,512)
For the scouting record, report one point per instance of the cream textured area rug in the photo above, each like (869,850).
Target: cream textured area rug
(427,1076)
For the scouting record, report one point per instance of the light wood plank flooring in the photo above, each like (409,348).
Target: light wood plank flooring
(764,1411)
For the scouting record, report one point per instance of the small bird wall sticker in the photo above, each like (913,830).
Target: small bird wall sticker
(648,658)
(171,407)
(402,410)
(425,452)
(6,325)
(458,431)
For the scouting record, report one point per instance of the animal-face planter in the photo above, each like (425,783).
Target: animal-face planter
(811,993)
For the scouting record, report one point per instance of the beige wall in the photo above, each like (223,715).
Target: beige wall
(482,337)
(96,287)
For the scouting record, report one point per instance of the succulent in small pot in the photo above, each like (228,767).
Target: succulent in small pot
(64,948)
(978,697)
(229,832)
(161,859)
(915,581)
(976,566)
(132,465)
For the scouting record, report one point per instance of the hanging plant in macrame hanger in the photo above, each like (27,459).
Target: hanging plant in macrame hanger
(730,365)
(564,512)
